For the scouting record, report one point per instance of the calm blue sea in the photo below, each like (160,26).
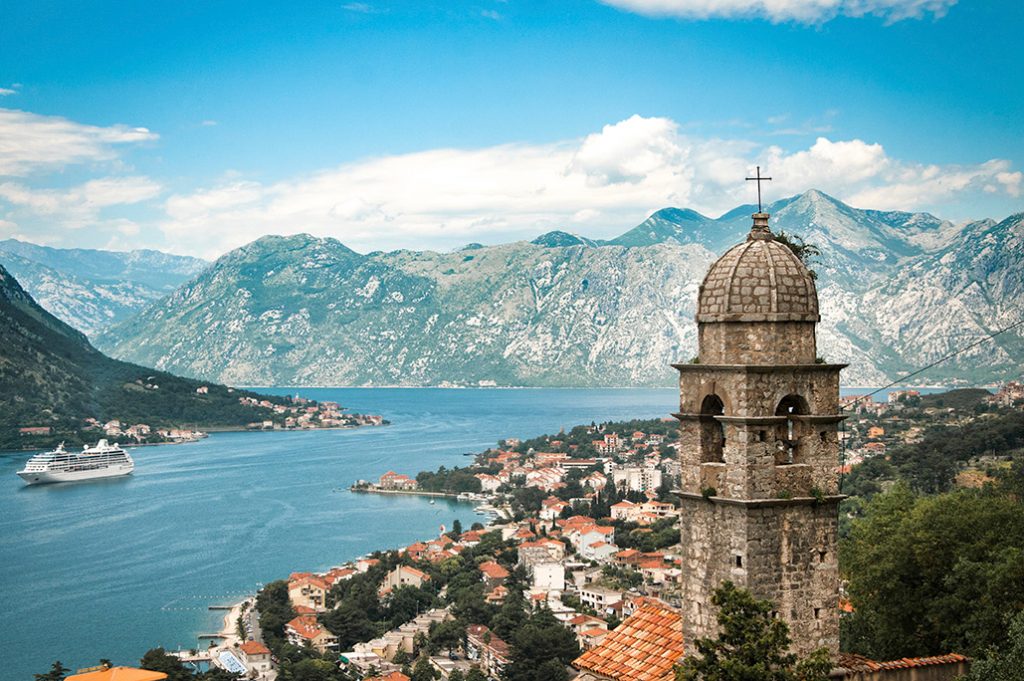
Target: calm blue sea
(112,568)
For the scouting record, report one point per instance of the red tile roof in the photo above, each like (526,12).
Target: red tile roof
(393,676)
(254,648)
(645,647)
(858,663)
(493,570)
(306,626)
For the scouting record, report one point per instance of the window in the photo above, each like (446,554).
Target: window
(712,433)
(789,451)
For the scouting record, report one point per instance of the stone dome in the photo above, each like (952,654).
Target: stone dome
(759,280)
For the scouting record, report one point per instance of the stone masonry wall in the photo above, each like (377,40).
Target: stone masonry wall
(785,552)
(757,342)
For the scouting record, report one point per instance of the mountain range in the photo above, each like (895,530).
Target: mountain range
(93,289)
(898,290)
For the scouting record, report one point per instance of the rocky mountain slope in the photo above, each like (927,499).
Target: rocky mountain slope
(897,290)
(93,289)
(50,376)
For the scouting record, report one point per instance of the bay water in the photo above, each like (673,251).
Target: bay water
(111,568)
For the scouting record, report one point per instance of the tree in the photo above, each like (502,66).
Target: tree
(751,645)
(474,674)
(310,669)
(456,675)
(456,529)
(275,611)
(422,671)
(552,670)
(447,635)
(538,647)
(350,624)
(931,575)
(57,673)
(1006,663)
(511,616)
(406,602)
(159,660)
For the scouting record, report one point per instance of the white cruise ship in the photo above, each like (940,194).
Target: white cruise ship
(102,461)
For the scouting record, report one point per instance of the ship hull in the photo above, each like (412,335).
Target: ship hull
(46,477)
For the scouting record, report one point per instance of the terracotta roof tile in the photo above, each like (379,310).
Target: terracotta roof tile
(645,647)
(858,663)
(254,648)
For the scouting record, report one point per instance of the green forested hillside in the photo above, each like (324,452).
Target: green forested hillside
(51,376)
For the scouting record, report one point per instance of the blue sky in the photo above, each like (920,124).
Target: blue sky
(198,126)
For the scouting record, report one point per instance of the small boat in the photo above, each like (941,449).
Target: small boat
(431,501)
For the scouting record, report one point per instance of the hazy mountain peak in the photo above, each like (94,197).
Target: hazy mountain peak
(558,239)
(682,225)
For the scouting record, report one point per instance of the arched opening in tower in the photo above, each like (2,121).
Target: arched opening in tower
(712,433)
(789,435)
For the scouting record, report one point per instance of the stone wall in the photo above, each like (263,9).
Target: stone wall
(783,550)
(790,342)
(765,455)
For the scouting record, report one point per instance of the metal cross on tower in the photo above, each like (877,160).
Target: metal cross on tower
(759,179)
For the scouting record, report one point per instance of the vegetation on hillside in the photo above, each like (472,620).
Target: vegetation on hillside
(930,466)
(935,574)
(50,376)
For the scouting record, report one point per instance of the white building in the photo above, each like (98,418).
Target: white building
(547,577)
(637,478)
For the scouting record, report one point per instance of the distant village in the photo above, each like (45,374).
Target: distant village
(298,414)
(305,414)
(876,426)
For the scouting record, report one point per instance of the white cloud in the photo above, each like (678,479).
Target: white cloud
(806,11)
(6,92)
(608,181)
(30,142)
(81,205)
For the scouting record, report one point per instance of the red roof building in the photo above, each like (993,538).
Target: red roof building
(645,647)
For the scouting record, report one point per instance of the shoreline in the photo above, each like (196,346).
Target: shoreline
(229,629)
(411,493)
(207,433)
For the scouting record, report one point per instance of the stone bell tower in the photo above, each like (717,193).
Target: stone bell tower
(759,416)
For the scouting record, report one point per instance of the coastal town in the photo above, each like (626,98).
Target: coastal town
(583,531)
(583,538)
(290,413)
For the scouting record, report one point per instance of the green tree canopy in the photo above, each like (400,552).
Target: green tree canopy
(538,647)
(159,660)
(1006,663)
(932,575)
(57,673)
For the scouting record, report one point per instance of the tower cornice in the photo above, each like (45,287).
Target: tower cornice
(756,368)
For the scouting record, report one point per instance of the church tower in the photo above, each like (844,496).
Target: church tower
(759,448)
